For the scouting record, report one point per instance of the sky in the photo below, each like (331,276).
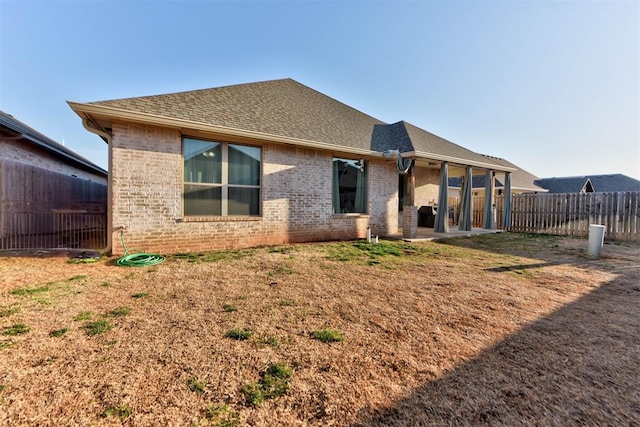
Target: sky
(551,86)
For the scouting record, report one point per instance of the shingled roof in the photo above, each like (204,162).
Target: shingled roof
(590,183)
(286,108)
(521,180)
(12,127)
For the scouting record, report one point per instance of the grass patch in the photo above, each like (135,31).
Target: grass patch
(83,260)
(239,334)
(274,383)
(49,293)
(281,269)
(327,335)
(98,327)
(5,345)
(281,249)
(221,415)
(58,332)
(215,256)
(123,411)
(285,303)
(195,385)
(16,329)
(106,284)
(9,311)
(140,295)
(229,308)
(75,278)
(30,291)
(119,311)
(85,315)
(270,341)
(363,252)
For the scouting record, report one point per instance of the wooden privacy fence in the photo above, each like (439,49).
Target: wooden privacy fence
(477,216)
(571,214)
(43,209)
(566,214)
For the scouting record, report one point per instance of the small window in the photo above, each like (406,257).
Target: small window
(349,186)
(221,179)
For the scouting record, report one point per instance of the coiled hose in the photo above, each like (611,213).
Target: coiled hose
(137,260)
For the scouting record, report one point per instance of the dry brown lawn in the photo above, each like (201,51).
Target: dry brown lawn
(501,329)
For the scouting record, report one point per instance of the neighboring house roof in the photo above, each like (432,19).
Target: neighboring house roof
(477,181)
(10,127)
(590,184)
(521,180)
(280,111)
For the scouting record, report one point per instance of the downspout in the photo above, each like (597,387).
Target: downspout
(90,126)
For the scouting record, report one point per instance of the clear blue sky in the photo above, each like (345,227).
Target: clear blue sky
(552,86)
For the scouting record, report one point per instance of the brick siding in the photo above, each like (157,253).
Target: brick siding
(296,198)
(427,186)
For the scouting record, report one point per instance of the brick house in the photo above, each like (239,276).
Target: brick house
(42,185)
(265,163)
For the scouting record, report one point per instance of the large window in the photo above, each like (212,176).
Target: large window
(349,186)
(221,179)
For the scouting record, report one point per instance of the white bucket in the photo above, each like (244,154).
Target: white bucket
(596,240)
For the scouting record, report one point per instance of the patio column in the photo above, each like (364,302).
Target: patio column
(466,202)
(488,199)
(409,211)
(506,219)
(442,216)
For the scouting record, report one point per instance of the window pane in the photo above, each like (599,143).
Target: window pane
(244,201)
(204,201)
(244,165)
(202,161)
(349,186)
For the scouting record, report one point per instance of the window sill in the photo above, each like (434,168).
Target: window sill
(218,218)
(349,215)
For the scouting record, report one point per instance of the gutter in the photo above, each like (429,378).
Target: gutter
(457,161)
(86,110)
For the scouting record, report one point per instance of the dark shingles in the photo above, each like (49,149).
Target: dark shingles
(600,183)
(287,108)
(429,143)
(520,179)
(477,181)
(277,107)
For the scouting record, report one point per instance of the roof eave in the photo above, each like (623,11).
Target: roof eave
(458,161)
(90,110)
(27,133)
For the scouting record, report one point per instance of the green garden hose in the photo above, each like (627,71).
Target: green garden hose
(137,260)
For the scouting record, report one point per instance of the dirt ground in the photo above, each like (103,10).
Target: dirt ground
(504,329)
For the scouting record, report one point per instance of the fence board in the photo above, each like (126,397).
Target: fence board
(42,209)
(568,214)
